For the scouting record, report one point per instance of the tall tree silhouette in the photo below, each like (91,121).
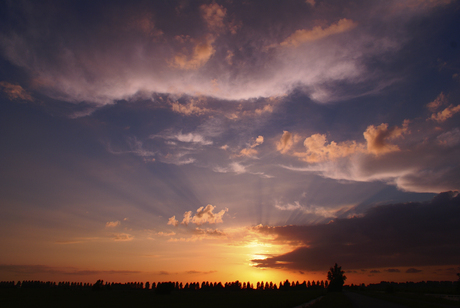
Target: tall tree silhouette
(337,278)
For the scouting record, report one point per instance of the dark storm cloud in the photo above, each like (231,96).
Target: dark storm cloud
(104,51)
(409,234)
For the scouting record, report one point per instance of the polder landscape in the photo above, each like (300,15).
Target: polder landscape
(226,153)
(329,293)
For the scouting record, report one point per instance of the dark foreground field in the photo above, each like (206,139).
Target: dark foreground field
(143,298)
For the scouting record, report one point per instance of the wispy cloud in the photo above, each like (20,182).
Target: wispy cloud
(122,237)
(214,55)
(303,36)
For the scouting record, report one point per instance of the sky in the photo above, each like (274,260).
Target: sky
(229,140)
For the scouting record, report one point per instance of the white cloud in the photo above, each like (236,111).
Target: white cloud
(192,137)
(195,138)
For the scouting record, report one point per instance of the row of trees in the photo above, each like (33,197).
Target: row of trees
(165,287)
(335,276)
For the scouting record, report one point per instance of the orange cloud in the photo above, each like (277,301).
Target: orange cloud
(202,52)
(122,237)
(251,151)
(189,109)
(111,224)
(173,221)
(266,108)
(203,215)
(445,114)
(318,150)
(286,142)
(214,15)
(302,36)
(377,137)
(15,91)
(440,100)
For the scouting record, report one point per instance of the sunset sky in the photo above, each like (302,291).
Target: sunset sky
(229,140)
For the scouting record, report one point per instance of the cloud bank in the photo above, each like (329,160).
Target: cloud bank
(394,235)
(216,51)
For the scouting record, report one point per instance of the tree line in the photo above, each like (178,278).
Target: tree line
(169,286)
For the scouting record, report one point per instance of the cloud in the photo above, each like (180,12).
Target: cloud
(209,232)
(192,272)
(393,270)
(285,143)
(214,15)
(266,109)
(167,233)
(203,215)
(315,210)
(450,138)
(193,138)
(206,215)
(423,158)
(445,114)
(173,221)
(112,224)
(393,235)
(135,146)
(130,52)
(413,270)
(15,92)
(303,36)
(189,109)
(318,150)
(438,102)
(251,151)
(122,237)
(377,138)
(186,138)
(232,167)
(187,218)
(201,53)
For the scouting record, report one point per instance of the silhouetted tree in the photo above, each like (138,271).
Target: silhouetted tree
(98,285)
(337,278)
